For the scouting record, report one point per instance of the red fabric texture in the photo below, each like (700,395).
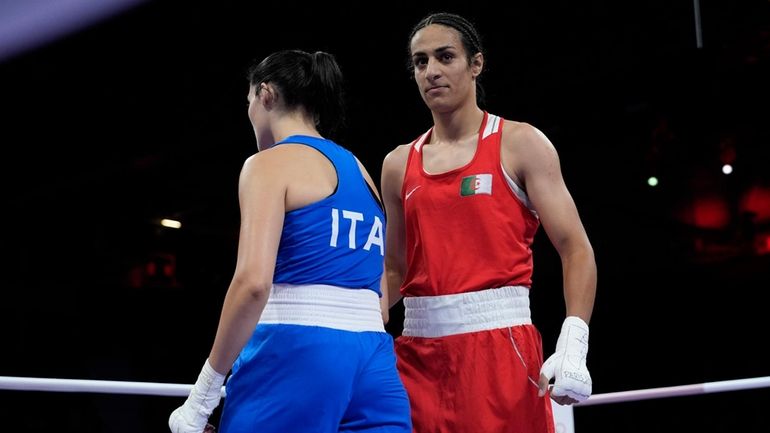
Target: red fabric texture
(458,243)
(478,382)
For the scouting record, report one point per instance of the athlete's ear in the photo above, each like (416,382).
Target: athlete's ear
(267,95)
(477,64)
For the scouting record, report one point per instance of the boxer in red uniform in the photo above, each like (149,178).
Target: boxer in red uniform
(464,202)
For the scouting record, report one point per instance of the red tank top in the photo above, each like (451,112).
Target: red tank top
(469,228)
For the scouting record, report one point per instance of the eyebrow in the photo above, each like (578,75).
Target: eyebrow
(438,50)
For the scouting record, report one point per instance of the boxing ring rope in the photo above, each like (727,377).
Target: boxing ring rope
(95,386)
(677,391)
(563,415)
(182,390)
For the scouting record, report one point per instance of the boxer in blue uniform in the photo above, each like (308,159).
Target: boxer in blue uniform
(302,329)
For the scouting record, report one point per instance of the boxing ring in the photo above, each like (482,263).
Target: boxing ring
(563,415)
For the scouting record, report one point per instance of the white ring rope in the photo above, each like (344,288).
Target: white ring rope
(182,390)
(98,386)
(677,391)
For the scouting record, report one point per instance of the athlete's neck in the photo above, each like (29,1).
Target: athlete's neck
(288,125)
(456,126)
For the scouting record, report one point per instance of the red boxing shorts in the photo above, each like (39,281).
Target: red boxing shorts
(475,382)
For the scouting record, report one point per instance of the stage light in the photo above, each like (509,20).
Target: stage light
(173,224)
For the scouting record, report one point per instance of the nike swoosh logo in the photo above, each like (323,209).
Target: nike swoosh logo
(411,192)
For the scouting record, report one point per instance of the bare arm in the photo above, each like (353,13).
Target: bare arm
(384,304)
(384,299)
(531,158)
(262,215)
(393,167)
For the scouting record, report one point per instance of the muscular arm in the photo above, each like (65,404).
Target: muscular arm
(262,214)
(531,158)
(392,178)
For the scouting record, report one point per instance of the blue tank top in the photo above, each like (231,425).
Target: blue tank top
(338,240)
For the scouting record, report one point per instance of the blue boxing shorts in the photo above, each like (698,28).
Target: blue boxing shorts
(316,368)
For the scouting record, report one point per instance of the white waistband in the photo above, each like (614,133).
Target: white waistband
(334,307)
(439,316)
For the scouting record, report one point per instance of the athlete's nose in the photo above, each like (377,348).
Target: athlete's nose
(433,69)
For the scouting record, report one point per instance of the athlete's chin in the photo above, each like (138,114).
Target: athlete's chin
(439,106)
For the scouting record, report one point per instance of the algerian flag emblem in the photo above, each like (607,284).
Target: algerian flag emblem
(477,184)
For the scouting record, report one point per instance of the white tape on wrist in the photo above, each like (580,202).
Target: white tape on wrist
(567,366)
(204,397)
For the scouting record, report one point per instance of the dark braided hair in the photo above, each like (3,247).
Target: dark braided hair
(468,36)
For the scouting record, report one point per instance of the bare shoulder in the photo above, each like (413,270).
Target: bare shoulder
(397,157)
(393,169)
(276,163)
(522,136)
(527,152)
(524,145)
(251,165)
(259,161)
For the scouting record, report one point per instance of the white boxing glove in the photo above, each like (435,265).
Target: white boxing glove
(193,415)
(567,366)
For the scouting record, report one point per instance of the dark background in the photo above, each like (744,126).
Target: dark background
(142,115)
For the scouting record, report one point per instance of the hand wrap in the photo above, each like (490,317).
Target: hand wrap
(567,366)
(193,415)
